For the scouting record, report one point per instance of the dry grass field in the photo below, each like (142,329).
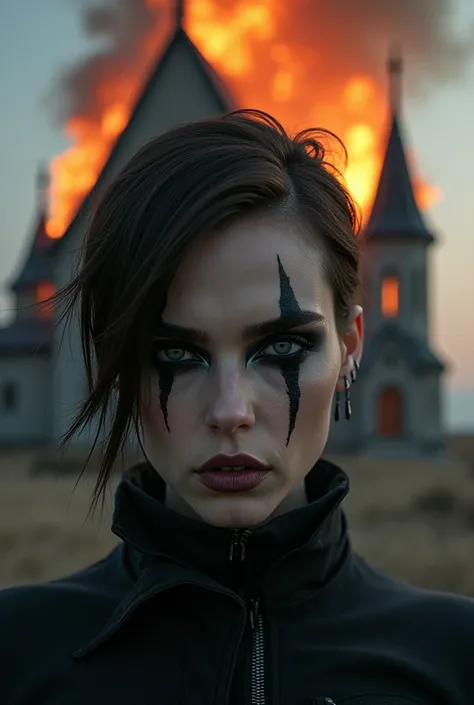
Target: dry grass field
(414,520)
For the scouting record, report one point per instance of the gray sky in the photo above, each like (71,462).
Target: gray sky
(38,38)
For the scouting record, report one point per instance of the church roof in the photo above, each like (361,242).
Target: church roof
(26,336)
(37,262)
(390,339)
(395,211)
(222,97)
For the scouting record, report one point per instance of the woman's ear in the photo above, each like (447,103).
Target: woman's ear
(352,347)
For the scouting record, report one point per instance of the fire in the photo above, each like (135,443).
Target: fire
(75,171)
(245,43)
(427,195)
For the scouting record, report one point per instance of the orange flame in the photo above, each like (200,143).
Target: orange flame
(245,45)
(427,195)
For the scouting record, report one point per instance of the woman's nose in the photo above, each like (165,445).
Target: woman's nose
(231,409)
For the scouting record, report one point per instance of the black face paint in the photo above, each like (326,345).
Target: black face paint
(165,380)
(291,373)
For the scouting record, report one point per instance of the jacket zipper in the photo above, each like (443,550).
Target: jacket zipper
(238,544)
(238,551)
(238,548)
(258,654)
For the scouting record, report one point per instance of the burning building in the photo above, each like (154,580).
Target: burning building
(398,401)
(396,405)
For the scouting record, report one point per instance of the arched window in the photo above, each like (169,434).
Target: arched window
(390,296)
(390,413)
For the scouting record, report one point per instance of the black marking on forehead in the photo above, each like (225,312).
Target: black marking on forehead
(289,305)
(288,302)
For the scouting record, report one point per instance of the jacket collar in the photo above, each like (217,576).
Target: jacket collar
(296,553)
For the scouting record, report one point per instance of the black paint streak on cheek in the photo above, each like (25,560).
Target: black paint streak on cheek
(293,390)
(288,305)
(166,379)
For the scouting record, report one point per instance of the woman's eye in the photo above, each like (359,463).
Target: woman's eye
(282,348)
(174,355)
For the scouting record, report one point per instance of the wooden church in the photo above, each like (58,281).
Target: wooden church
(396,400)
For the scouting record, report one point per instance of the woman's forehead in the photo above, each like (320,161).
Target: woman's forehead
(235,273)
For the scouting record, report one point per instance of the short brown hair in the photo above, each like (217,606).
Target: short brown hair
(192,180)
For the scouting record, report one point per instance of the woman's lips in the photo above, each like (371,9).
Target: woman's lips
(232,481)
(232,473)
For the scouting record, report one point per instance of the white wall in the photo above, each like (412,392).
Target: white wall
(31,421)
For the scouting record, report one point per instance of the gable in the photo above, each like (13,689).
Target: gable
(180,91)
(182,88)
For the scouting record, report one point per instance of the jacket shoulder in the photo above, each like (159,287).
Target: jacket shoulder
(65,611)
(390,594)
(436,627)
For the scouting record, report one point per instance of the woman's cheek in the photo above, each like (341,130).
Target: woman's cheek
(182,404)
(317,383)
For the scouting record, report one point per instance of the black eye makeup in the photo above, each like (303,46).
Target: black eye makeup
(171,358)
(176,355)
(288,348)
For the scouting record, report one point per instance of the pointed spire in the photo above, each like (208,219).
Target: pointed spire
(37,265)
(395,74)
(179,14)
(42,185)
(395,211)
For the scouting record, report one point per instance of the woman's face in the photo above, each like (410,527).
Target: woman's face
(246,361)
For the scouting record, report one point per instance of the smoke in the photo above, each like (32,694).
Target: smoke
(360,31)
(129,34)
(332,38)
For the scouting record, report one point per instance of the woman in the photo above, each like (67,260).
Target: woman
(219,321)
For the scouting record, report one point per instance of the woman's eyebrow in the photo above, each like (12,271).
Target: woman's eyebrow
(187,335)
(281,324)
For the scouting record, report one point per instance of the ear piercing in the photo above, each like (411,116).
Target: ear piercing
(347,399)
(347,395)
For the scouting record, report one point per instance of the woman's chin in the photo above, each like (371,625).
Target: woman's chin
(234,512)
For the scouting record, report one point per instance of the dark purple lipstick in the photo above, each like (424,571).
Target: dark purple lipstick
(232,473)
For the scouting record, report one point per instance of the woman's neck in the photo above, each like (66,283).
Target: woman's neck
(297,498)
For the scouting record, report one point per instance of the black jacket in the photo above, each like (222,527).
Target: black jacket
(182,613)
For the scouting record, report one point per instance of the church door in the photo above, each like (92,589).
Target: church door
(390,413)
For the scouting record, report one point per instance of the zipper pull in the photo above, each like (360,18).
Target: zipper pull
(234,541)
(254,611)
(322,701)
(243,544)
(238,540)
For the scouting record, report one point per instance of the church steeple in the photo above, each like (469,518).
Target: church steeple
(395,211)
(37,265)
